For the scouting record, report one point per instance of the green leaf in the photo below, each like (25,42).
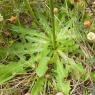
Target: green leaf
(61,71)
(76,69)
(80,68)
(61,74)
(37,88)
(42,67)
(66,88)
(93,75)
(63,87)
(9,71)
(43,62)
(44,22)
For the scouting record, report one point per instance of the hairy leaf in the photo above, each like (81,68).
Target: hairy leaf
(9,71)
(37,88)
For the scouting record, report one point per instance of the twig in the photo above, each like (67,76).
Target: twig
(90,7)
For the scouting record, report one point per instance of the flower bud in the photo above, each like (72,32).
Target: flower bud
(55,10)
(87,24)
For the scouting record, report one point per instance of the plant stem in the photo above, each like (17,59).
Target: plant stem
(17,12)
(53,23)
(32,12)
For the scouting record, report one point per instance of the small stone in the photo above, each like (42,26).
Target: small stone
(94,2)
(91,36)
(59,93)
(90,94)
(27,94)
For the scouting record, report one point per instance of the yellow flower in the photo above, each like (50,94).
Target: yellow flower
(1,18)
(12,19)
(91,36)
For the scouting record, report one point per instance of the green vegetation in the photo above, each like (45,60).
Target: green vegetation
(46,47)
